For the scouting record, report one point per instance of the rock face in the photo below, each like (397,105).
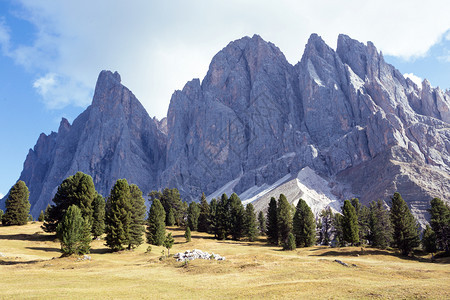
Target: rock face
(255,123)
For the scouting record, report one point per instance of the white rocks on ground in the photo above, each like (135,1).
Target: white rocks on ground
(197,254)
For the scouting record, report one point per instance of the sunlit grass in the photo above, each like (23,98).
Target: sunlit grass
(251,270)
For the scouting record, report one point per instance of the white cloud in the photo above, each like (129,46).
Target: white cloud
(416,79)
(157,46)
(1,196)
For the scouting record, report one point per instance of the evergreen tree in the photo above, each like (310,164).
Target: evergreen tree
(41,216)
(223,218)
(203,218)
(304,226)
(326,217)
(30,218)
(429,240)
(170,218)
(362,213)
(250,223)
(46,212)
(338,229)
(284,218)
(237,217)
(170,198)
(290,242)
(168,242)
(156,229)
(380,228)
(98,216)
(440,223)
(350,230)
(138,211)
(2,213)
(193,214)
(406,236)
(213,217)
(76,190)
(17,205)
(74,232)
(272,222)
(261,223)
(118,216)
(187,234)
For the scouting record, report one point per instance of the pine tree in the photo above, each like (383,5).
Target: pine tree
(170,218)
(338,229)
(156,229)
(237,217)
(261,223)
(223,218)
(350,229)
(170,198)
(74,232)
(250,223)
(429,240)
(406,236)
(290,242)
(440,223)
(118,216)
(380,228)
(327,224)
(76,190)
(362,213)
(284,218)
(193,214)
(304,226)
(2,213)
(187,234)
(272,222)
(168,242)
(46,212)
(203,218)
(213,217)
(138,211)
(98,216)
(41,216)
(17,205)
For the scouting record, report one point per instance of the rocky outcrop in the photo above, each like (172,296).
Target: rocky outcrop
(255,123)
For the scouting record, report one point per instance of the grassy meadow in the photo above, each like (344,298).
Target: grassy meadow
(31,268)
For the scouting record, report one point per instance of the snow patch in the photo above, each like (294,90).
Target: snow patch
(256,192)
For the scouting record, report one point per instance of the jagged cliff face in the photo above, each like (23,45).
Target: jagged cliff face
(256,124)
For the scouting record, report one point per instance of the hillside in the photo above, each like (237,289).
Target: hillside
(251,270)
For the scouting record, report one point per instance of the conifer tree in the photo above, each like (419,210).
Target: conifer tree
(350,231)
(98,216)
(41,216)
(46,212)
(326,217)
(338,229)
(362,213)
(17,205)
(170,218)
(74,232)
(170,198)
(203,218)
(1,214)
(272,222)
(440,223)
(237,217)
(193,214)
(223,218)
(213,217)
(156,229)
(168,242)
(118,216)
(284,218)
(261,223)
(78,189)
(138,211)
(406,236)
(250,223)
(290,242)
(380,228)
(187,234)
(429,240)
(304,226)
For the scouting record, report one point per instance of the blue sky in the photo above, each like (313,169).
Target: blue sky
(52,51)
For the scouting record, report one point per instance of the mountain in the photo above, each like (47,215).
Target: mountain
(341,123)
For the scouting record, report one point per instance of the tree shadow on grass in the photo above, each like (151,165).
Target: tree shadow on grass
(13,263)
(46,249)
(101,251)
(35,237)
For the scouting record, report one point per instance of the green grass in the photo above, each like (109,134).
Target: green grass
(251,270)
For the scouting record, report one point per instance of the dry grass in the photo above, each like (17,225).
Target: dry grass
(251,270)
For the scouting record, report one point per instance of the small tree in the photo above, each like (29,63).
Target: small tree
(350,229)
(168,242)
(212,220)
(138,210)
(236,213)
(98,216)
(193,214)
(284,218)
(17,205)
(304,226)
(338,230)
(429,240)
(440,223)
(203,218)
(1,214)
(380,228)
(250,222)
(187,234)
(290,243)
(170,218)
(261,223)
(41,216)
(156,229)
(74,232)
(327,224)
(272,222)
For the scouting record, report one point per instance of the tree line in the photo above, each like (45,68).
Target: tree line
(79,214)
